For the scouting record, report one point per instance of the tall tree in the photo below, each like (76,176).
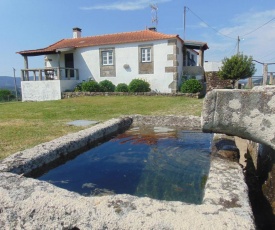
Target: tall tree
(237,67)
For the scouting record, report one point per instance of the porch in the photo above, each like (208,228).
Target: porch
(44,84)
(49,73)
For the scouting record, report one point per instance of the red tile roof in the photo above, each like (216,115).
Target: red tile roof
(101,40)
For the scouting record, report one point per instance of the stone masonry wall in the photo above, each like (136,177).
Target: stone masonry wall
(81,94)
(214,82)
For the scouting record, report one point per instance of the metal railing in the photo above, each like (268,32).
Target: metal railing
(49,73)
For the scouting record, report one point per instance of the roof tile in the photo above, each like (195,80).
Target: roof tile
(102,40)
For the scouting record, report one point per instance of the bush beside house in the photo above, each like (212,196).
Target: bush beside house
(90,86)
(122,87)
(106,86)
(191,86)
(136,85)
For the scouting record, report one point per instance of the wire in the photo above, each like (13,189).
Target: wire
(233,50)
(258,28)
(209,25)
(225,34)
(271,63)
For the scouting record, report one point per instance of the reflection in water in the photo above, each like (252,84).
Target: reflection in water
(156,162)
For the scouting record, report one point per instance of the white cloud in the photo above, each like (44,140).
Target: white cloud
(203,24)
(249,23)
(256,39)
(124,5)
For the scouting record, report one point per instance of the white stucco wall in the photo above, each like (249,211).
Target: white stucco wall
(180,62)
(88,62)
(40,90)
(212,66)
(68,85)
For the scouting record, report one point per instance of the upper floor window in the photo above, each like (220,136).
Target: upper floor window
(107,57)
(145,54)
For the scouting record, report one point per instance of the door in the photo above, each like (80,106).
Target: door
(69,63)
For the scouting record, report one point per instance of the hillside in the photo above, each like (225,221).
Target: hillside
(7,82)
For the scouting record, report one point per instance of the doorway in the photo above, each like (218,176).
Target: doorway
(69,63)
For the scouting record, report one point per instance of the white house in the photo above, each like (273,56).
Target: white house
(158,58)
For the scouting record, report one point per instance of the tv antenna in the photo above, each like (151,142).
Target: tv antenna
(154,11)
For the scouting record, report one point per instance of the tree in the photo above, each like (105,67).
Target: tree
(237,67)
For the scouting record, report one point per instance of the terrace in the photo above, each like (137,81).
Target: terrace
(40,84)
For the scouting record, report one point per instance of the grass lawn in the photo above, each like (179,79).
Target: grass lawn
(26,124)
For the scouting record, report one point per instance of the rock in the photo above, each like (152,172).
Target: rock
(224,146)
(249,114)
(229,154)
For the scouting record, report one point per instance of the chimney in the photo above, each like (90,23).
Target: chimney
(76,32)
(152,29)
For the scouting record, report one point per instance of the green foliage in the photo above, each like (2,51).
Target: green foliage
(6,95)
(187,77)
(107,86)
(138,85)
(90,86)
(237,67)
(122,87)
(191,86)
(78,87)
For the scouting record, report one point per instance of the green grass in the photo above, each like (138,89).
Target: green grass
(26,124)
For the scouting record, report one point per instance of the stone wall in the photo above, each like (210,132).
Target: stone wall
(81,94)
(214,82)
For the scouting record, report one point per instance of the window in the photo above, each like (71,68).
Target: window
(107,57)
(145,54)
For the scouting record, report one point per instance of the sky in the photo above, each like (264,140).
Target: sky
(34,24)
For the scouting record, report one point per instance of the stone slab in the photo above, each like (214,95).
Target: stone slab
(249,114)
(82,123)
(32,204)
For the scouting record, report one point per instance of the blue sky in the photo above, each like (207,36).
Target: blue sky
(33,24)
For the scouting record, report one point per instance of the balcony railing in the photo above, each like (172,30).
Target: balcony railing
(49,73)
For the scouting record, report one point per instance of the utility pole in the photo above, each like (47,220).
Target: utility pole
(238,49)
(184,22)
(265,71)
(15,86)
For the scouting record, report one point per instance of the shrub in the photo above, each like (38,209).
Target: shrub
(6,95)
(122,87)
(78,87)
(138,85)
(106,86)
(90,86)
(191,86)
